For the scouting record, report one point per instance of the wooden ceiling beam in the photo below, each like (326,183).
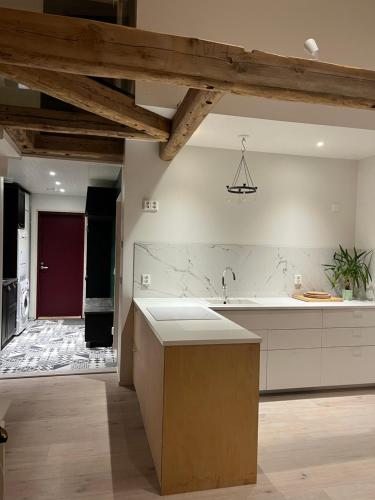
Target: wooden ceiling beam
(194,108)
(74,147)
(93,48)
(85,93)
(23,138)
(42,145)
(65,122)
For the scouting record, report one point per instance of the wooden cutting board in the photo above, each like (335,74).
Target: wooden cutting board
(309,299)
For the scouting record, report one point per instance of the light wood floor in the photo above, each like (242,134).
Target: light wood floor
(81,437)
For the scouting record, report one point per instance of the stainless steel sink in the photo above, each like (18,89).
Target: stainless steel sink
(232,301)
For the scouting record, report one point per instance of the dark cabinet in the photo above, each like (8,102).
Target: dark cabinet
(100,235)
(100,244)
(9,311)
(14,219)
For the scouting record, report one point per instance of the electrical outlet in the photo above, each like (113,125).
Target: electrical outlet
(298,279)
(150,205)
(146,280)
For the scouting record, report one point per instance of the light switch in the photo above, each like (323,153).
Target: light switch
(335,207)
(150,205)
(146,280)
(298,279)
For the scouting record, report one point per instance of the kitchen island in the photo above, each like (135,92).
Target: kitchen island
(197,382)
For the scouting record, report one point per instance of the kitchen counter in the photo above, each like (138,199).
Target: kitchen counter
(289,303)
(193,332)
(222,330)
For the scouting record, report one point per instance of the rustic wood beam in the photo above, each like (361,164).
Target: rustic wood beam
(74,147)
(99,149)
(92,96)
(66,122)
(99,49)
(192,111)
(23,138)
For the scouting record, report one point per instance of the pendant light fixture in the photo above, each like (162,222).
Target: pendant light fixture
(242,183)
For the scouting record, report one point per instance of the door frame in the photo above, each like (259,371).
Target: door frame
(37,259)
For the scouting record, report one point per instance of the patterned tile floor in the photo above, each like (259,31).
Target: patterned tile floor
(56,346)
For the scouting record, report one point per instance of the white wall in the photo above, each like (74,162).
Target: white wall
(292,207)
(365,222)
(49,203)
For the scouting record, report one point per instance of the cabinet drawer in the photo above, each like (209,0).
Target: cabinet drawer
(348,365)
(295,339)
(275,320)
(349,318)
(292,369)
(263,371)
(336,337)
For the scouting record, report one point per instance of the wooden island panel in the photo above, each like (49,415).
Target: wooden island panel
(210,435)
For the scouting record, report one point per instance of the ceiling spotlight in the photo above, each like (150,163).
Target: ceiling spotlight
(52,173)
(62,190)
(320,144)
(311,47)
(57,183)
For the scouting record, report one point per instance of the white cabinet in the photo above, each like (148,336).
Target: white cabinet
(276,319)
(346,337)
(348,365)
(356,318)
(312,348)
(295,339)
(293,368)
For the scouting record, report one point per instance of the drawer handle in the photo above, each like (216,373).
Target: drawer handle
(357,314)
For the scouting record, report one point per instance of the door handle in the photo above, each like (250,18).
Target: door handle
(42,266)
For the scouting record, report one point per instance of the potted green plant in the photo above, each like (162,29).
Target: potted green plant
(350,271)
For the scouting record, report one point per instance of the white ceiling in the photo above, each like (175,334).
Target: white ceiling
(273,136)
(219,131)
(75,176)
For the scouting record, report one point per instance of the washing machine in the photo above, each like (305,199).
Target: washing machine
(23,306)
(23,260)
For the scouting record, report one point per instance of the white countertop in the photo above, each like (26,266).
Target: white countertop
(290,303)
(222,330)
(194,332)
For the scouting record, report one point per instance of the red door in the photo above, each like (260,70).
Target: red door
(60,264)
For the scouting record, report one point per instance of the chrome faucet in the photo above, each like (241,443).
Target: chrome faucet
(225,288)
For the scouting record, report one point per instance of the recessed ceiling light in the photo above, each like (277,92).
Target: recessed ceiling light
(320,144)
(52,173)
(57,183)
(62,190)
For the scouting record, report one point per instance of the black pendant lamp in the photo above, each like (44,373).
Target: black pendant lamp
(242,182)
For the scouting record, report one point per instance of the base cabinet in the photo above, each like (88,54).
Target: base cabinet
(348,365)
(310,349)
(293,369)
(199,405)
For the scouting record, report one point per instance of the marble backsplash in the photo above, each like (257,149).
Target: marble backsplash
(195,269)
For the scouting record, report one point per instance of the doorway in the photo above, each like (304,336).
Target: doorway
(60,264)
